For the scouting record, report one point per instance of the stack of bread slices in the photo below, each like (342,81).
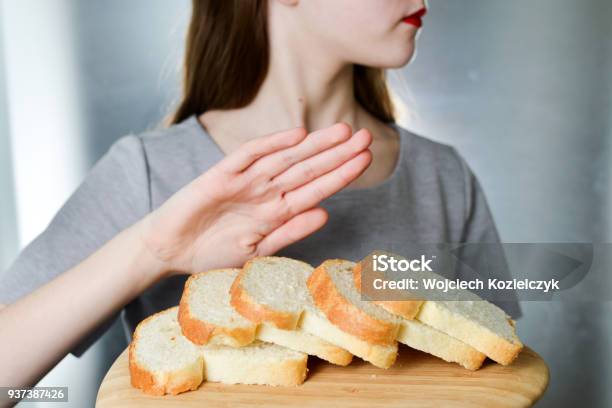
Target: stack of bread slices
(258,324)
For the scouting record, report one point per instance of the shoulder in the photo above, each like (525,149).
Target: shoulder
(170,136)
(168,158)
(169,139)
(135,161)
(184,145)
(437,169)
(172,155)
(159,139)
(424,153)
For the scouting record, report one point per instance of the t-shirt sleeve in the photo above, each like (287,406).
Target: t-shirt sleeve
(489,259)
(113,196)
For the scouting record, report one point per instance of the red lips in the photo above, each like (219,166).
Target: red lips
(415,18)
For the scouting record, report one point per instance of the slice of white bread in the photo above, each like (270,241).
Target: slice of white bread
(206,317)
(162,361)
(466,317)
(273,290)
(423,337)
(334,292)
(476,322)
(205,313)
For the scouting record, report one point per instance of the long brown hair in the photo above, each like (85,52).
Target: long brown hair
(227,56)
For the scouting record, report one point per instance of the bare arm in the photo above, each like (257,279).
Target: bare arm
(40,329)
(255,201)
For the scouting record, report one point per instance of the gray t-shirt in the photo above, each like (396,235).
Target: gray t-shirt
(431,196)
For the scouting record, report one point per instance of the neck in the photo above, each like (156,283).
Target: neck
(305,86)
(306,96)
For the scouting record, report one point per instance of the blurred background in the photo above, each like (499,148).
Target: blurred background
(521,88)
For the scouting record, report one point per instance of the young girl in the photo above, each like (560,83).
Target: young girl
(333,175)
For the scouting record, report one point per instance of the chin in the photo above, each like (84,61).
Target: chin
(402,60)
(393,58)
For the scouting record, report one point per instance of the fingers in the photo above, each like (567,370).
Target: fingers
(256,148)
(311,194)
(324,162)
(293,230)
(316,142)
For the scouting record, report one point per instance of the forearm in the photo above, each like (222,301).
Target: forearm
(40,329)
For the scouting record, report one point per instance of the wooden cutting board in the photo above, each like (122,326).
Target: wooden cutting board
(417,379)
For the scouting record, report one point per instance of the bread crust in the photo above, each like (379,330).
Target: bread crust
(258,313)
(343,313)
(201,332)
(408,309)
(141,378)
(335,355)
(471,360)
(289,373)
(173,383)
(296,372)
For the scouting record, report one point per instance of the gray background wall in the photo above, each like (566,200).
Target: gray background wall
(521,88)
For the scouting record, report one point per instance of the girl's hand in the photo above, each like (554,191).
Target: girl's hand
(257,200)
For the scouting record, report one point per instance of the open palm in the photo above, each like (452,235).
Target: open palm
(257,200)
